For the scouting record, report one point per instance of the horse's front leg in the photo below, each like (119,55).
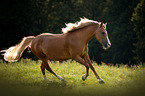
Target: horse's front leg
(87,59)
(83,62)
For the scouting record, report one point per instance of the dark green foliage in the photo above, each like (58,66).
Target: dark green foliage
(138,18)
(120,30)
(19,18)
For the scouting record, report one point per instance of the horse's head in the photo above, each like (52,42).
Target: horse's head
(102,36)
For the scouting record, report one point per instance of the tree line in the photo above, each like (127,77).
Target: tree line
(125,18)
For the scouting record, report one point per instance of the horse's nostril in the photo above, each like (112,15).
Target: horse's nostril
(109,44)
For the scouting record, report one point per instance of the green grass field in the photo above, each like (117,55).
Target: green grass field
(24,78)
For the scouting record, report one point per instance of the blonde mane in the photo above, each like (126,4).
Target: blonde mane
(74,26)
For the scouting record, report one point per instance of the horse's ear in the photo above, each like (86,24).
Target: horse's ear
(101,24)
(106,23)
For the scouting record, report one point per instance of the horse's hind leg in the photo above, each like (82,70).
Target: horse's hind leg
(51,71)
(43,71)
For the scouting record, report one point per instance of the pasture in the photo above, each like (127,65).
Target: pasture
(24,78)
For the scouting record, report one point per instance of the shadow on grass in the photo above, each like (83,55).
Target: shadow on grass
(58,88)
(42,88)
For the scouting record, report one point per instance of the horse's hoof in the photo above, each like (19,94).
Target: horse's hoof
(101,81)
(63,80)
(83,78)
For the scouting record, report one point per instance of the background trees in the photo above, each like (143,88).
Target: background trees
(33,17)
(138,19)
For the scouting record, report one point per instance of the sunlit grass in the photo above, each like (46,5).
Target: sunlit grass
(25,76)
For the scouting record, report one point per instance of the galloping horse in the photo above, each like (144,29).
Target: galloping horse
(72,44)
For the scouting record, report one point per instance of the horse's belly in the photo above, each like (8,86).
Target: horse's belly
(57,54)
(58,57)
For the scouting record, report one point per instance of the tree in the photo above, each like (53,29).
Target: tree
(120,30)
(19,19)
(138,19)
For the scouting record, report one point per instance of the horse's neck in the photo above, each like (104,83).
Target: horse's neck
(87,33)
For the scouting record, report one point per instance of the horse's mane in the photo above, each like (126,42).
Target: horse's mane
(78,25)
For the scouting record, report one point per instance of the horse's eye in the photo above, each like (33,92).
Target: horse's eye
(103,33)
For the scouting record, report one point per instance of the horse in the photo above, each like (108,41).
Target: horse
(72,44)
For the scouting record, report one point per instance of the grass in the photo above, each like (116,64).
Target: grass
(25,78)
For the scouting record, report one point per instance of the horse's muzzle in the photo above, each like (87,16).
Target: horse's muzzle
(106,45)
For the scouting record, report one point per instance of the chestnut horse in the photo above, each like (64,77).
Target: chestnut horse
(72,44)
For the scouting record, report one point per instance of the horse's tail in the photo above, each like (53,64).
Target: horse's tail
(14,53)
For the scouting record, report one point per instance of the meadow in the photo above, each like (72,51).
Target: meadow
(24,78)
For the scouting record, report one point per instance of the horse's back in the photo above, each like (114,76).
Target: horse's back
(52,45)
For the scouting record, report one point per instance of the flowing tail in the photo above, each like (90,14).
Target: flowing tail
(14,53)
